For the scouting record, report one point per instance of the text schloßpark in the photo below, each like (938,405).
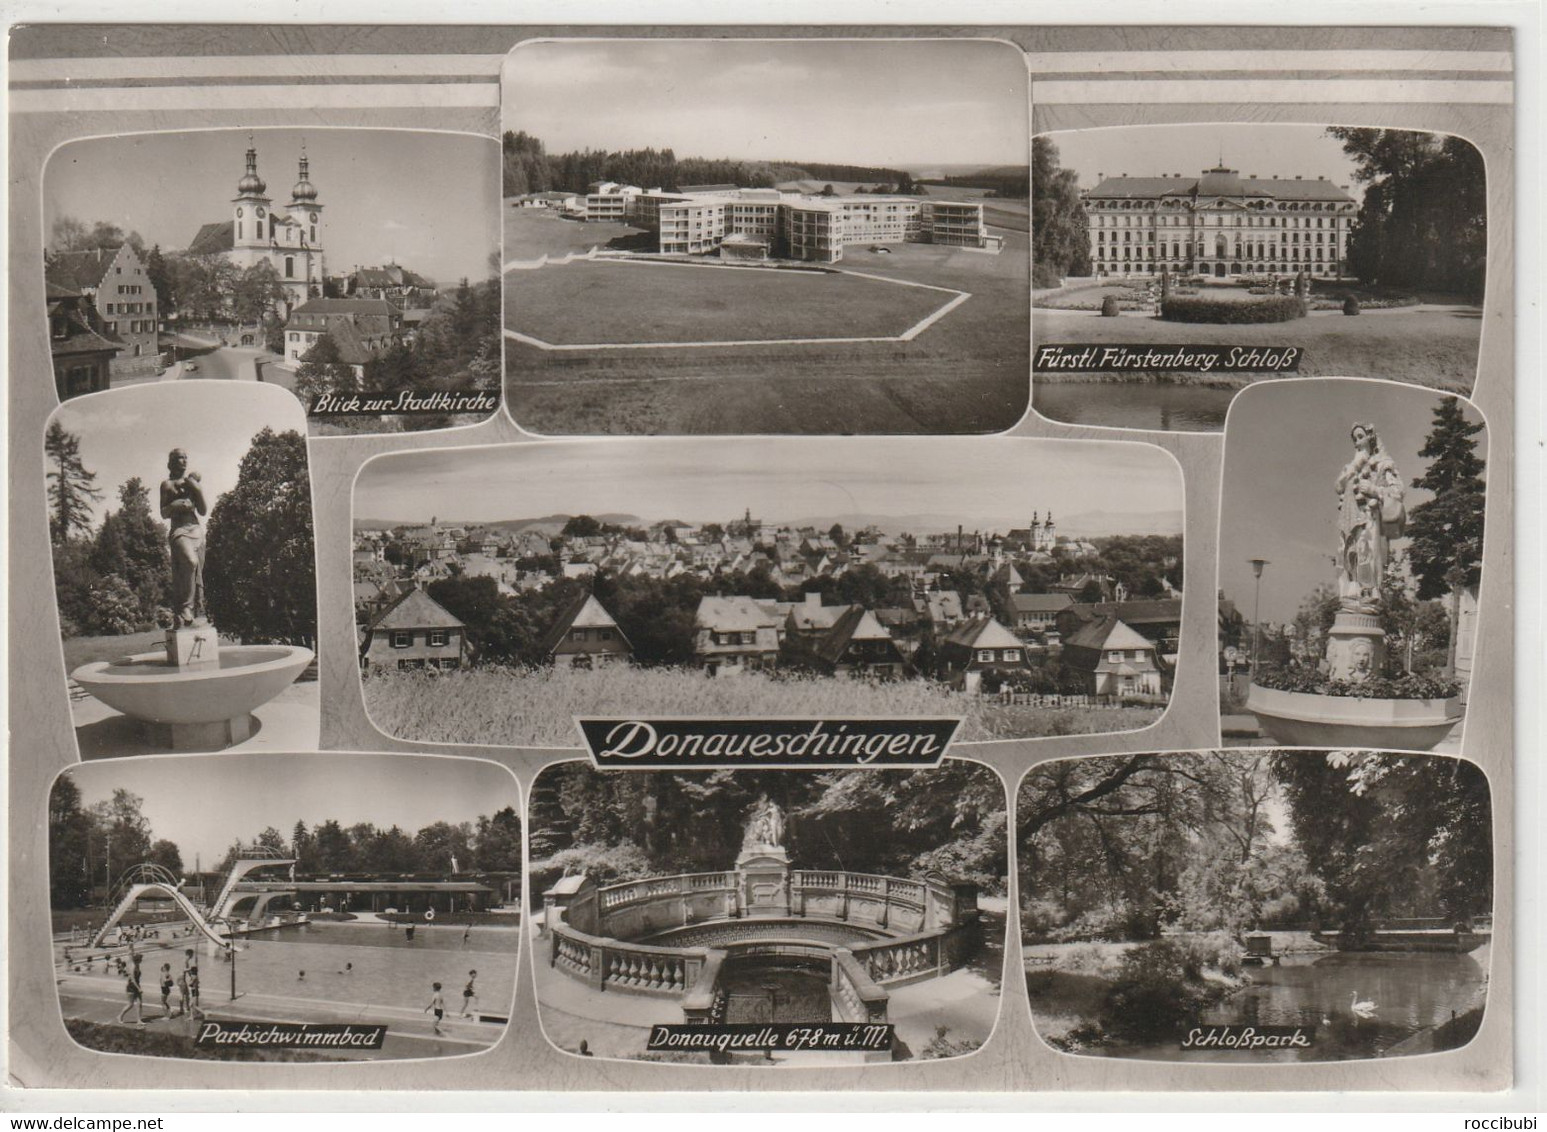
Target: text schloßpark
(403,401)
(771,1036)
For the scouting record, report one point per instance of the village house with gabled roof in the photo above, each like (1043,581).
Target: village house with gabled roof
(414,631)
(586,636)
(362,328)
(977,646)
(859,645)
(114,283)
(733,635)
(79,345)
(1159,620)
(1037,613)
(398,285)
(810,619)
(1113,659)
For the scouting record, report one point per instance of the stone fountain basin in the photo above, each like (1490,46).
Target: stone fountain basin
(144,686)
(1309,719)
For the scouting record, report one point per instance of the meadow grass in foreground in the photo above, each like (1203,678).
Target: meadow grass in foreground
(521,707)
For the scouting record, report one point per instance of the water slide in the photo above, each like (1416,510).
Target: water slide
(135,891)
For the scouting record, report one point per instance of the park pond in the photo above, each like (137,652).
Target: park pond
(1413,993)
(1163,406)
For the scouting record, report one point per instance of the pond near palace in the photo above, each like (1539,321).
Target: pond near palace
(1134,404)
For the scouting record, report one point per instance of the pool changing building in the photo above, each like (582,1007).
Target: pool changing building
(1218,224)
(759,223)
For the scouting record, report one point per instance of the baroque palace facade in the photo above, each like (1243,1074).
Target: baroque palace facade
(1219,224)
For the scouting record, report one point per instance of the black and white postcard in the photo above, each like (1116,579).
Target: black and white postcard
(1175,265)
(262,908)
(761,236)
(366,288)
(1031,587)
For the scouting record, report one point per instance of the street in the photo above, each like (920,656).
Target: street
(226,363)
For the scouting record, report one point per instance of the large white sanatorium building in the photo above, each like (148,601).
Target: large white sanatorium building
(752,223)
(1219,224)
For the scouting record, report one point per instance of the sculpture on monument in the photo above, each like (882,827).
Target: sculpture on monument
(1370,515)
(182,503)
(765,826)
(1350,699)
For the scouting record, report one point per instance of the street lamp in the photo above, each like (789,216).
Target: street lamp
(1257,565)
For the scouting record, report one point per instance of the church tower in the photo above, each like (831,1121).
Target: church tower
(1049,539)
(306,214)
(305,208)
(251,214)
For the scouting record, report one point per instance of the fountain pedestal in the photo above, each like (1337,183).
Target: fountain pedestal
(1356,646)
(764,873)
(196,648)
(192,647)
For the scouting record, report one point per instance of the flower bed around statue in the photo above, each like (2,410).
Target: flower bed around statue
(1281,308)
(1408,686)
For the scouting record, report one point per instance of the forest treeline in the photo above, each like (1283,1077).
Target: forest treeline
(618,827)
(1010,183)
(1129,847)
(529,168)
(90,847)
(1423,223)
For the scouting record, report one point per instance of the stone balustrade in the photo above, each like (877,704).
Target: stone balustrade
(912,959)
(878,931)
(633,968)
(855,996)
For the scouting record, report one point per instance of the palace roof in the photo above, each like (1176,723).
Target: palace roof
(1218,182)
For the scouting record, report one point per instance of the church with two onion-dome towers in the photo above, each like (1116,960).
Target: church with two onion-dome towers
(288,237)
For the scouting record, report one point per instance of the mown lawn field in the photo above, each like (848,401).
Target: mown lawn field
(602,301)
(537,708)
(968,373)
(531,233)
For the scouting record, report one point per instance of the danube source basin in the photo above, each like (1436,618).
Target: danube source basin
(1309,719)
(144,686)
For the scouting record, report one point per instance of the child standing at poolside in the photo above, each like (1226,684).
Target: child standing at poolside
(470,994)
(437,1004)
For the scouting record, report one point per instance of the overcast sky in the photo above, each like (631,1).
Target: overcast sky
(204,803)
(1285,443)
(128,432)
(1262,149)
(863,102)
(987,483)
(429,201)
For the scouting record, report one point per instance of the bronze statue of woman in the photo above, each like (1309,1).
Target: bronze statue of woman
(182,502)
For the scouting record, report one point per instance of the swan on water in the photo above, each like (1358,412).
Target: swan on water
(1365,1009)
